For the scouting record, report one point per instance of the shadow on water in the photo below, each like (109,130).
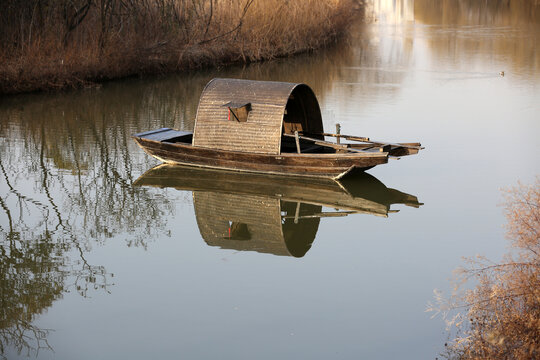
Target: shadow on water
(268,214)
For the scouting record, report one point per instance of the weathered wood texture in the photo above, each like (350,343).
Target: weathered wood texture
(272,103)
(317,165)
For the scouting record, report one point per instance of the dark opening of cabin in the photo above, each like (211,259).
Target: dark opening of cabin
(302,116)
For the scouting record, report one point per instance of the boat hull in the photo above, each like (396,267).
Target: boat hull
(311,165)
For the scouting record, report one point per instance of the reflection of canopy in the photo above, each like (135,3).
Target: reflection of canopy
(271,214)
(254,223)
(269,106)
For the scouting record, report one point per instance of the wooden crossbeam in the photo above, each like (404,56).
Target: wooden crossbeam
(326,143)
(366,140)
(347,137)
(297,217)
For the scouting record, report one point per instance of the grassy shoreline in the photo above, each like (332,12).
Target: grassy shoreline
(50,44)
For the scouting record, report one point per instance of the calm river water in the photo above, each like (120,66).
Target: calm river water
(97,262)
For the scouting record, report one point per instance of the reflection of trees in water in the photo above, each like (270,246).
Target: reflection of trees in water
(372,65)
(37,265)
(473,12)
(77,151)
(29,285)
(464,29)
(66,165)
(363,63)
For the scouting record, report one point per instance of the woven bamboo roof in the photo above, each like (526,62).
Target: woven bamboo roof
(271,107)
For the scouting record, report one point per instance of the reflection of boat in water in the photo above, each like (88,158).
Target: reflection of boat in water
(272,214)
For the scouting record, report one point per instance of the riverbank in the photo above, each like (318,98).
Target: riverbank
(72,44)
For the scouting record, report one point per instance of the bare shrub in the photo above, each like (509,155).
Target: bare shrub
(500,317)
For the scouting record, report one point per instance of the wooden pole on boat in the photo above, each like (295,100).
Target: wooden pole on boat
(338,132)
(297,213)
(325,143)
(297,141)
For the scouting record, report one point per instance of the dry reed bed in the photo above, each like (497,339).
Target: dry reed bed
(52,44)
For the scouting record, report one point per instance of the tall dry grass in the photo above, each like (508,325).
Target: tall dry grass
(49,44)
(500,317)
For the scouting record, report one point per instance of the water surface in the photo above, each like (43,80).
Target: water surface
(103,256)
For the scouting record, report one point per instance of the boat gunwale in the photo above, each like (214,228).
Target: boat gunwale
(281,155)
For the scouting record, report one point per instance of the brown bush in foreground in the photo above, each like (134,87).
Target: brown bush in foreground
(500,317)
(49,44)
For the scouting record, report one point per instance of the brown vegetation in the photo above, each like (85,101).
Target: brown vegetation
(49,44)
(501,318)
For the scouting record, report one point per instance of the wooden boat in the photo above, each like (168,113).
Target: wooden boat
(272,214)
(266,127)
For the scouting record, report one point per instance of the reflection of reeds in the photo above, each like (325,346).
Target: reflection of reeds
(79,164)
(515,37)
(52,44)
(501,317)
(473,12)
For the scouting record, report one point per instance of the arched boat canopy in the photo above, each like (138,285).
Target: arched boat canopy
(251,116)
